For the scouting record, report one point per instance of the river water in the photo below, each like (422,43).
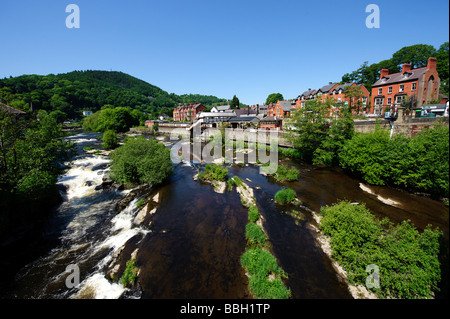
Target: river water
(190,248)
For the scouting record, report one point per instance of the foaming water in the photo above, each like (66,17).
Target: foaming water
(88,232)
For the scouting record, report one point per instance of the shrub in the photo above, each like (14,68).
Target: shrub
(260,263)
(253,213)
(130,273)
(110,140)
(408,260)
(285,196)
(284,173)
(420,163)
(141,161)
(254,234)
(214,172)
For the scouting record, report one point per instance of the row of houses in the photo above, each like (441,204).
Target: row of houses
(420,86)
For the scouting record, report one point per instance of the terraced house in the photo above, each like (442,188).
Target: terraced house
(421,86)
(302,98)
(351,94)
(280,109)
(187,112)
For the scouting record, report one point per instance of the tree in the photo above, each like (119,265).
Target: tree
(442,56)
(274,98)
(417,55)
(312,127)
(234,103)
(340,131)
(354,95)
(30,153)
(58,115)
(141,161)
(110,140)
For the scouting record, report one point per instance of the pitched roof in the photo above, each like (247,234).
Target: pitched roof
(401,77)
(342,86)
(189,106)
(10,109)
(286,105)
(240,112)
(326,88)
(306,93)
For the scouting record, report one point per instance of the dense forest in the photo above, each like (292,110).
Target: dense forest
(77,91)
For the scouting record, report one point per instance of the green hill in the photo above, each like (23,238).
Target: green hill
(76,91)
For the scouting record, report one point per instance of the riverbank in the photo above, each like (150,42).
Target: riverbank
(187,240)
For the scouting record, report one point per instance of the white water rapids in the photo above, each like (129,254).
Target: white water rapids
(88,230)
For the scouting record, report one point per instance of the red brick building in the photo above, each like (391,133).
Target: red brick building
(302,98)
(340,93)
(187,112)
(280,109)
(420,84)
(325,91)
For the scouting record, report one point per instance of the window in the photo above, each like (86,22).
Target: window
(378,101)
(402,87)
(364,99)
(389,101)
(413,86)
(399,99)
(380,91)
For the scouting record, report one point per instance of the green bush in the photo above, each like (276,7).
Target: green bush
(285,173)
(253,213)
(408,260)
(285,196)
(420,163)
(264,288)
(110,140)
(130,273)
(260,263)
(141,161)
(214,172)
(254,234)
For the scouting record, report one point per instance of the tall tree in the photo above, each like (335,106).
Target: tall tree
(274,98)
(417,55)
(442,56)
(234,103)
(312,127)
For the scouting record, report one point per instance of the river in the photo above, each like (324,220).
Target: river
(190,246)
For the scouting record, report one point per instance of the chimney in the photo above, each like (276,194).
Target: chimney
(406,67)
(383,73)
(431,63)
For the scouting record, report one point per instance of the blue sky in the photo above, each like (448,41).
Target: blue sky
(250,48)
